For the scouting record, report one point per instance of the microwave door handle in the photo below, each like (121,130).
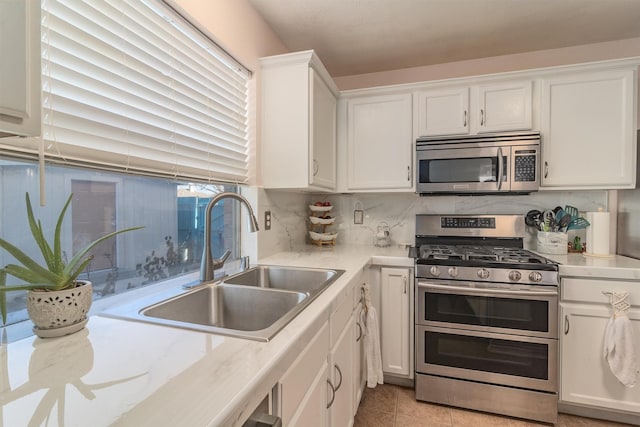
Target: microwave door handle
(500,168)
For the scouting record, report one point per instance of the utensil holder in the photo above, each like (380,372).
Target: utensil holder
(554,243)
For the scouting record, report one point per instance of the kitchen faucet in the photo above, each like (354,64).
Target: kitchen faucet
(210,264)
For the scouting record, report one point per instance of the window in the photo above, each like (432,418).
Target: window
(144,120)
(170,245)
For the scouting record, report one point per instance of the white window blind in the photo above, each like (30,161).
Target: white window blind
(128,85)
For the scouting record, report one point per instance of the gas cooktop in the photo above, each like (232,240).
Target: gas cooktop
(481,253)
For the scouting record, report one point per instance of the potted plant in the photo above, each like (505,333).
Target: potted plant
(57,302)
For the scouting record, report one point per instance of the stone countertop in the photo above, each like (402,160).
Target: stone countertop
(126,373)
(614,267)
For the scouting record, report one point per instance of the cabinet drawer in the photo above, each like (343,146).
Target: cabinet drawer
(340,317)
(297,380)
(590,290)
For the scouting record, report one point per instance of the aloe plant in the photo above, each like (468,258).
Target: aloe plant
(56,274)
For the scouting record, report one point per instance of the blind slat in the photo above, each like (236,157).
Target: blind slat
(129,86)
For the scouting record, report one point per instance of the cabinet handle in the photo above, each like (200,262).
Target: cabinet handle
(333,393)
(405,285)
(359,337)
(566,325)
(316,167)
(408,173)
(339,373)
(464,124)
(546,169)
(481,117)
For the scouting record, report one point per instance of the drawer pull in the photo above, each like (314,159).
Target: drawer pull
(333,394)
(566,325)
(359,337)
(339,373)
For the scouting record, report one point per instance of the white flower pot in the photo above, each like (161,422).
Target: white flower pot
(58,313)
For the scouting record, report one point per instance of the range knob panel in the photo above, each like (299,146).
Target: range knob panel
(483,273)
(515,275)
(453,272)
(435,271)
(535,276)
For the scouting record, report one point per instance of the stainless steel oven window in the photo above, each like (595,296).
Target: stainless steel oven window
(511,360)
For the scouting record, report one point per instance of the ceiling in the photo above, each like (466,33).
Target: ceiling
(363,36)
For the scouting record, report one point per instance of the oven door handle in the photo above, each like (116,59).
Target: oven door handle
(464,290)
(500,168)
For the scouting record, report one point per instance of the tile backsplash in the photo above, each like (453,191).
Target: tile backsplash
(290,212)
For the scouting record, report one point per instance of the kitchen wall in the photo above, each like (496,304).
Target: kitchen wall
(290,211)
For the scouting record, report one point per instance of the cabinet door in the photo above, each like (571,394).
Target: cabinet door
(585,377)
(322,162)
(312,411)
(443,111)
(20,67)
(341,375)
(588,130)
(380,142)
(395,290)
(504,107)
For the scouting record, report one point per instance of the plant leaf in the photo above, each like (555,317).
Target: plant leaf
(38,236)
(3,296)
(28,263)
(77,258)
(74,274)
(57,245)
(28,275)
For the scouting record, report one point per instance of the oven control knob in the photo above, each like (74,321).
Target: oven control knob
(535,276)
(435,271)
(453,272)
(483,273)
(515,275)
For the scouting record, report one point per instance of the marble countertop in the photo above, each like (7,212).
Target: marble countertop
(612,267)
(125,373)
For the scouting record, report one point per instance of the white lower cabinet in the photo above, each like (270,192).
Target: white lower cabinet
(313,408)
(396,319)
(341,376)
(585,377)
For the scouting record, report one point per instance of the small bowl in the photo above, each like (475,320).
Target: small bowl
(322,221)
(322,236)
(320,208)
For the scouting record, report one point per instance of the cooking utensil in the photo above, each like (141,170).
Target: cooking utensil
(559,214)
(564,222)
(572,211)
(550,223)
(578,223)
(532,218)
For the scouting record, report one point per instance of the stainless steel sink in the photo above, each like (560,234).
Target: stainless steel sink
(254,304)
(307,280)
(228,306)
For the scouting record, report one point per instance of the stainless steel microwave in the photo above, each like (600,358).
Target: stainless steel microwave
(478,164)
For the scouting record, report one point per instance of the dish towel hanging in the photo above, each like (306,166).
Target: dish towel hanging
(371,332)
(619,351)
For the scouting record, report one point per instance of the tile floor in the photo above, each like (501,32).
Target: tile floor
(393,406)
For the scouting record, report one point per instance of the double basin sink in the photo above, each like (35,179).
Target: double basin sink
(254,304)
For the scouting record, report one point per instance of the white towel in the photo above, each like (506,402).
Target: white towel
(619,351)
(369,318)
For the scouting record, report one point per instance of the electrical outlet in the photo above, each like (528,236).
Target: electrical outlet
(358,216)
(267,220)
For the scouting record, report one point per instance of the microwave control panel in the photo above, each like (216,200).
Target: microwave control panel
(525,165)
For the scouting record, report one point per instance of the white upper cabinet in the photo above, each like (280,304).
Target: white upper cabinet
(379,143)
(588,129)
(490,107)
(443,111)
(20,108)
(504,107)
(298,123)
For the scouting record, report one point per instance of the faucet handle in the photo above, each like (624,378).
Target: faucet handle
(244,263)
(219,262)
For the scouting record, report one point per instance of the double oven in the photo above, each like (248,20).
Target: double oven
(486,317)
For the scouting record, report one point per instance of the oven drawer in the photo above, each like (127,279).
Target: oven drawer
(511,360)
(488,307)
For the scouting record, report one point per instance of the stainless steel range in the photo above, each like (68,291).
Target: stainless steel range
(486,317)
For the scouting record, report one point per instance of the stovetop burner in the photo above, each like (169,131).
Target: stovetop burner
(480,253)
